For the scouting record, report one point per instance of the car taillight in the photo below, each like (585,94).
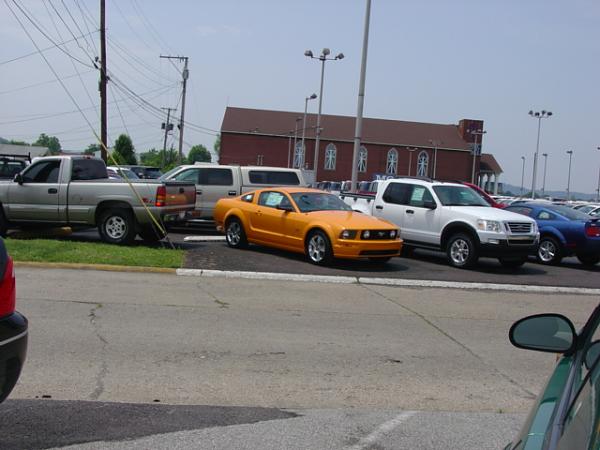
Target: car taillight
(161,196)
(8,290)
(592,231)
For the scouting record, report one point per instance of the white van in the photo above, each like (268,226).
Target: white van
(214,182)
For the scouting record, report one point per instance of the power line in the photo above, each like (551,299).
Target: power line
(124,17)
(95,53)
(153,32)
(42,83)
(45,35)
(86,25)
(68,29)
(40,51)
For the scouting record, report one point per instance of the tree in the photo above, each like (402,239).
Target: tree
(13,142)
(217,145)
(198,153)
(159,158)
(125,150)
(50,142)
(92,149)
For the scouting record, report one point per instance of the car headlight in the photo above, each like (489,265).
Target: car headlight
(489,225)
(366,234)
(534,228)
(348,234)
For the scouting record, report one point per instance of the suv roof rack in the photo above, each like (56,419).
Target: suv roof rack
(412,178)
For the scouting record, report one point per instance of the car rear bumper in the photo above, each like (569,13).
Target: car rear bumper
(367,249)
(13,350)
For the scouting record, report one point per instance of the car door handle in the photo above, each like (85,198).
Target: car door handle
(199,192)
(52,191)
(181,190)
(379,207)
(232,193)
(409,211)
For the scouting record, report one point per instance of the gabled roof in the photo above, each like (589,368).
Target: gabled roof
(489,164)
(341,128)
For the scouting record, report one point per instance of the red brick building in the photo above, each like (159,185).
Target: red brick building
(389,147)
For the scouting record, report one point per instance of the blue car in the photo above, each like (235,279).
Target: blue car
(563,232)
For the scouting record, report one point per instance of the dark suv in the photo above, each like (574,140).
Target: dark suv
(13,328)
(146,171)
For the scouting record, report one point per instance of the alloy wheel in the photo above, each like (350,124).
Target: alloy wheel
(234,233)
(459,251)
(115,227)
(317,248)
(547,251)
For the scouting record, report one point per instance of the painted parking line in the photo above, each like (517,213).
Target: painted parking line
(383,429)
(385,281)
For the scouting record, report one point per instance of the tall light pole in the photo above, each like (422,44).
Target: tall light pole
(598,188)
(435,150)
(298,119)
(306,100)
(476,133)
(361,100)
(545,155)
(410,153)
(539,115)
(323,57)
(522,175)
(570,153)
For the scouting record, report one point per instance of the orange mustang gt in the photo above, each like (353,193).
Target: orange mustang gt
(307,221)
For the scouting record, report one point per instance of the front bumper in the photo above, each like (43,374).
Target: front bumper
(512,245)
(354,249)
(13,350)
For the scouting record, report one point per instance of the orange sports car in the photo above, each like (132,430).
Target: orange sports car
(308,221)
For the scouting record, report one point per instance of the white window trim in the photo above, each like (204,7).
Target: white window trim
(392,164)
(425,166)
(330,157)
(363,157)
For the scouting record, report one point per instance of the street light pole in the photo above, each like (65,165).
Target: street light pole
(410,152)
(545,155)
(522,176)
(475,133)
(323,57)
(570,153)
(306,99)
(539,115)
(298,119)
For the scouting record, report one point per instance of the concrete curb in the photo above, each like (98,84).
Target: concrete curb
(398,282)
(103,267)
(204,239)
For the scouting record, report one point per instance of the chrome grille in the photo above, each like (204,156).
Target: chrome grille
(519,227)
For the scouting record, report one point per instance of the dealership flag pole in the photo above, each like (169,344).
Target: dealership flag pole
(361,100)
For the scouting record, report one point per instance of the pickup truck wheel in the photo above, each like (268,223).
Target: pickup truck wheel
(549,251)
(589,260)
(461,251)
(151,234)
(117,226)
(512,263)
(318,248)
(235,234)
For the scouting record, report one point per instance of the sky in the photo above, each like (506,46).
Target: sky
(429,61)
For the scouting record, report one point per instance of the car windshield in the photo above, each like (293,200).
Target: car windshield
(459,196)
(319,201)
(571,214)
(165,176)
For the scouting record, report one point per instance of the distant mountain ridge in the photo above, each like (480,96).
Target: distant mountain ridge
(516,190)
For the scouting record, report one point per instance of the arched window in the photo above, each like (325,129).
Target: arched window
(392,162)
(299,156)
(422,164)
(330,157)
(362,159)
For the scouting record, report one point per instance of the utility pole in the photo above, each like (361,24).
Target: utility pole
(103,81)
(167,127)
(185,75)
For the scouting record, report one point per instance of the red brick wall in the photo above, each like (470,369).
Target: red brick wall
(244,149)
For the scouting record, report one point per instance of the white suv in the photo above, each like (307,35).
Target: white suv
(453,218)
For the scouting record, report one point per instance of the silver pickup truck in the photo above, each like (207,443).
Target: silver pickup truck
(75,191)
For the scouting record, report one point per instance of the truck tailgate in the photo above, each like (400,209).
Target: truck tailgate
(180,194)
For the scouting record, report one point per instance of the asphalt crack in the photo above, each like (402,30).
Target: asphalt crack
(222,304)
(527,392)
(101,375)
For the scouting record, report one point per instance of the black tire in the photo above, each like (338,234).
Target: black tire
(589,260)
(318,248)
(3,224)
(235,236)
(151,234)
(461,251)
(549,251)
(512,263)
(117,226)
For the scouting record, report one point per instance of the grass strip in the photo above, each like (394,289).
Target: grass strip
(60,251)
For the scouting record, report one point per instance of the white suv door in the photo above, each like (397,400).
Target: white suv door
(392,205)
(422,219)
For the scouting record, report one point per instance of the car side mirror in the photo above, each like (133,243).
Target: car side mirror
(429,204)
(18,178)
(552,333)
(286,208)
